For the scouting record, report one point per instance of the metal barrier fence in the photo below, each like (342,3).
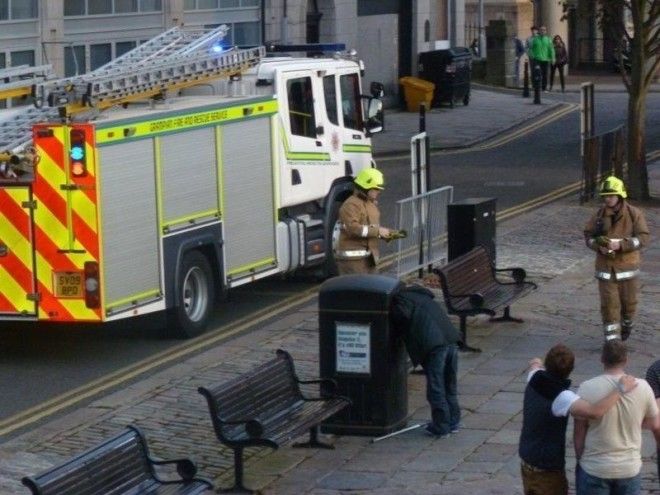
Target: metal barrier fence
(424,217)
(604,155)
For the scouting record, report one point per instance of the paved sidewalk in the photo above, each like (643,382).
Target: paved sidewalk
(489,113)
(480,459)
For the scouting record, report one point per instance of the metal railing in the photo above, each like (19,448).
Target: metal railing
(424,217)
(604,155)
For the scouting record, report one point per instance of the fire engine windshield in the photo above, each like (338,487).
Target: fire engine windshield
(349,85)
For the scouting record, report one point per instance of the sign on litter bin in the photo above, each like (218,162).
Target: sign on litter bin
(353,348)
(364,354)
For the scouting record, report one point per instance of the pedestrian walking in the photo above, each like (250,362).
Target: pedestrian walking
(431,340)
(546,405)
(520,51)
(542,54)
(359,216)
(653,378)
(561,59)
(617,232)
(609,451)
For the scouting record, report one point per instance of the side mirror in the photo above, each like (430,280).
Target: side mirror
(374,122)
(377,89)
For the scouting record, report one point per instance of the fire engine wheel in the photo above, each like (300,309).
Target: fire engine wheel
(333,240)
(195,296)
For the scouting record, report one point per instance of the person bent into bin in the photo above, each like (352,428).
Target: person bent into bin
(359,216)
(431,340)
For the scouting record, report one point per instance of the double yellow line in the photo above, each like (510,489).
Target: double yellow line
(500,140)
(169,356)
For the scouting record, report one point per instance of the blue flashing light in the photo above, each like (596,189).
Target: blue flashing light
(77,153)
(217,48)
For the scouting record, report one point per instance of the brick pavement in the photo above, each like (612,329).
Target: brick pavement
(480,459)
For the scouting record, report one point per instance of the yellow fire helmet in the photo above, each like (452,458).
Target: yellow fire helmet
(370,178)
(613,185)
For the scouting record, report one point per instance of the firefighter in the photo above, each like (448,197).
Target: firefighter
(357,250)
(617,232)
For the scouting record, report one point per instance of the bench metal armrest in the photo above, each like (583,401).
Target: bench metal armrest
(329,393)
(185,467)
(253,426)
(518,274)
(476,299)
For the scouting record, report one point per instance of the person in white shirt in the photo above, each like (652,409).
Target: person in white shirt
(608,450)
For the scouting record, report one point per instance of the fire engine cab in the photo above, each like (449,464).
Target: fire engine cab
(157,181)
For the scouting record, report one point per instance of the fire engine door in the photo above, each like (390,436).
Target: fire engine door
(355,144)
(305,139)
(17,282)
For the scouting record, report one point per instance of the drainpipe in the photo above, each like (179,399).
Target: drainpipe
(285,25)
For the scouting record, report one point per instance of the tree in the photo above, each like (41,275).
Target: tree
(635,26)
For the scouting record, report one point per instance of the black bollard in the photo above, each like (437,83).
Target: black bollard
(536,81)
(526,80)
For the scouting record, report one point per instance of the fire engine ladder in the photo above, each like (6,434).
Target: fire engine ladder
(18,81)
(176,59)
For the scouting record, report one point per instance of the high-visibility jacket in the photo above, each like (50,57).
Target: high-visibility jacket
(627,224)
(360,222)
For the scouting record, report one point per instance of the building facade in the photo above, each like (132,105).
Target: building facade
(76,36)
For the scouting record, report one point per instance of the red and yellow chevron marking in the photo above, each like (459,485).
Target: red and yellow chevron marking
(65,224)
(16,278)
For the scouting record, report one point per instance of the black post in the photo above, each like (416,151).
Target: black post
(526,80)
(536,81)
(422,128)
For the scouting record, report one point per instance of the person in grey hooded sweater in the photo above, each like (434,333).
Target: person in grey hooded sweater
(431,340)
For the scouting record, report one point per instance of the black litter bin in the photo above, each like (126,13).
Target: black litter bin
(450,71)
(361,351)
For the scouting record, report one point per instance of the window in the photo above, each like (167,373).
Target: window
(125,6)
(189,5)
(99,55)
(301,107)
(23,57)
(124,46)
(23,9)
(249,3)
(18,9)
(330,95)
(74,7)
(95,7)
(349,85)
(228,4)
(74,61)
(3,61)
(246,33)
(150,5)
(207,4)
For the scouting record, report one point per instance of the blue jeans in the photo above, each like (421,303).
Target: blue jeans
(585,484)
(441,388)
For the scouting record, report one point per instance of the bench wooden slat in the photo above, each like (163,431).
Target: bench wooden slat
(118,466)
(473,274)
(265,407)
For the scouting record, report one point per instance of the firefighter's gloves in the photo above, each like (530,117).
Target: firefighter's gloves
(396,234)
(608,246)
(384,233)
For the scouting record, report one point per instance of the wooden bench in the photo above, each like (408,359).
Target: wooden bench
(120,465)
(470,287)
(266,408)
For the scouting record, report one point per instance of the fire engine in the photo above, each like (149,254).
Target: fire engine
(174,173)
